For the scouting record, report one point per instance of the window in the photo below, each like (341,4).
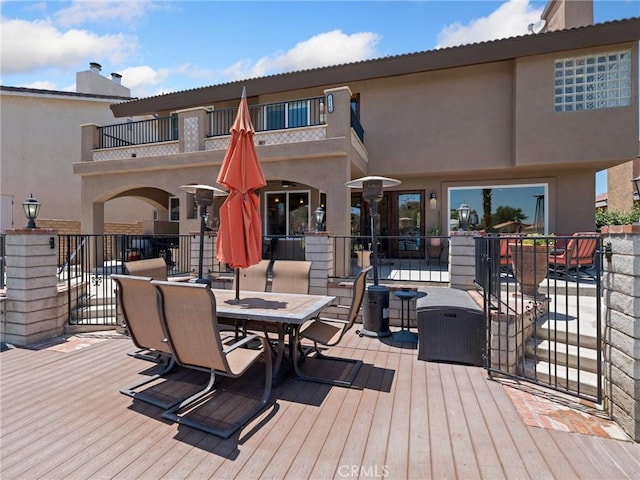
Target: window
(287,115)
(513,208)
(174,209)
(287,213)
(593,81)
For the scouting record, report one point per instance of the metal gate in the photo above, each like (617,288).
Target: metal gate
(542,303)
(86,263)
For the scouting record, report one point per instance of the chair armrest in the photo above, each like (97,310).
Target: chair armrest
(240,342)
(331,320)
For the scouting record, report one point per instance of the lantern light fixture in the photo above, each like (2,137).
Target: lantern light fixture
(463,215)
(319,214)
(31,208)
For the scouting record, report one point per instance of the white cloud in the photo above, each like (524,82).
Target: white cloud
(81,12)
(510,19)
(330,48)
(29,46)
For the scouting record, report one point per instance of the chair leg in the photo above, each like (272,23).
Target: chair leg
(132,390)
(308,378)
(174,413)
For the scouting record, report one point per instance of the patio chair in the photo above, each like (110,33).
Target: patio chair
(578,254)
(505,257)
(329,332)
(290,276)
(155,268)
(138,301)
(253,278)
(188,316)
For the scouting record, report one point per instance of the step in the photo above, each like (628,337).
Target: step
(94,311)
(563,354)
(565,378)
(567,332)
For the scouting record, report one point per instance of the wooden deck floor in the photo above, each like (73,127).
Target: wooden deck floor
(63,417)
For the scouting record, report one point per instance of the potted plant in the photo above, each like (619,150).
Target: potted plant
(435,240)
(364,255)
(530,261)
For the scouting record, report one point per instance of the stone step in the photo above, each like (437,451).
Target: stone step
(570,379)
(563,354)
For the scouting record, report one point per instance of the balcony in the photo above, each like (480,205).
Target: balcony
(200,129)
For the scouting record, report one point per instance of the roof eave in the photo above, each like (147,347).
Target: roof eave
(618,31)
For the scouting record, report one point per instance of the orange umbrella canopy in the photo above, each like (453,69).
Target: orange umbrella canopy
(239,240)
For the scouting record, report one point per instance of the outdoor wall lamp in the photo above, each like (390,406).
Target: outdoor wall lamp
(203,196)
(31,208)
(433,201)
(319,213)
(463,215)
(636,183)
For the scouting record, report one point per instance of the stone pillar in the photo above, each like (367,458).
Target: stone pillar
(208,253)
(319,251)
(462,260)
(32,294)
(621,338)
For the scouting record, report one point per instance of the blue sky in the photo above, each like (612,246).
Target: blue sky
(164,46)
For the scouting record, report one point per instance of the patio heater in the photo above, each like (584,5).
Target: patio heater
(375,320)
(204,198)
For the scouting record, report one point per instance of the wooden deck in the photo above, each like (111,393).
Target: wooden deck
(63,417)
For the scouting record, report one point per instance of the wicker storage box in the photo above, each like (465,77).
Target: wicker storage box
(450,327)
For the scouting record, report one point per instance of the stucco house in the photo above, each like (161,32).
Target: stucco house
(40,140)
(528,119)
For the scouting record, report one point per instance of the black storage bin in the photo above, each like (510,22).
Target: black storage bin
(451,327)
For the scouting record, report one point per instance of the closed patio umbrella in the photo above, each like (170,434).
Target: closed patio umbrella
(239,241)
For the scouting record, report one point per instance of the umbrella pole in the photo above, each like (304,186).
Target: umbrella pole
(237,284)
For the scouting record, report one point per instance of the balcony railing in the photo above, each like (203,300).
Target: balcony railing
(271,116)
(162,129)
(292,114)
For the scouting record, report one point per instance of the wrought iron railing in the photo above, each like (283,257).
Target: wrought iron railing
(306,112)
(543,309)
(400,258)
(156,130)
(2,262)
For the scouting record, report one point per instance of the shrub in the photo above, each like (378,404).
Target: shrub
(617,217)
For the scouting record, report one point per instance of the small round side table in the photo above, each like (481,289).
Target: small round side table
(405,334)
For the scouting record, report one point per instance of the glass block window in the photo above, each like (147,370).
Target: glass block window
(593,81)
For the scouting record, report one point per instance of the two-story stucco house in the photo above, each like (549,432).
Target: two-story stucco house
(529,119)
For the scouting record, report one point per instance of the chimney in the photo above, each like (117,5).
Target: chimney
(117,78)
(95,67)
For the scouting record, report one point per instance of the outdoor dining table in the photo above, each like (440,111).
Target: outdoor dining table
(286,311)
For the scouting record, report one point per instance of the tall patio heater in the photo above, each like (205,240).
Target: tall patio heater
(203,197)
(375,315)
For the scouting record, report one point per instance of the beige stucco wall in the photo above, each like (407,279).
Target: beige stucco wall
(489,124)
(40,140)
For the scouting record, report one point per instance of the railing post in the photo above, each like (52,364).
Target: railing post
(319,251)
(462,260)
(621,342)
(192,129)
(89,141)
(32,295)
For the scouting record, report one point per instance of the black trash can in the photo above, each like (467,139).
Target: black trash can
(375,312)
